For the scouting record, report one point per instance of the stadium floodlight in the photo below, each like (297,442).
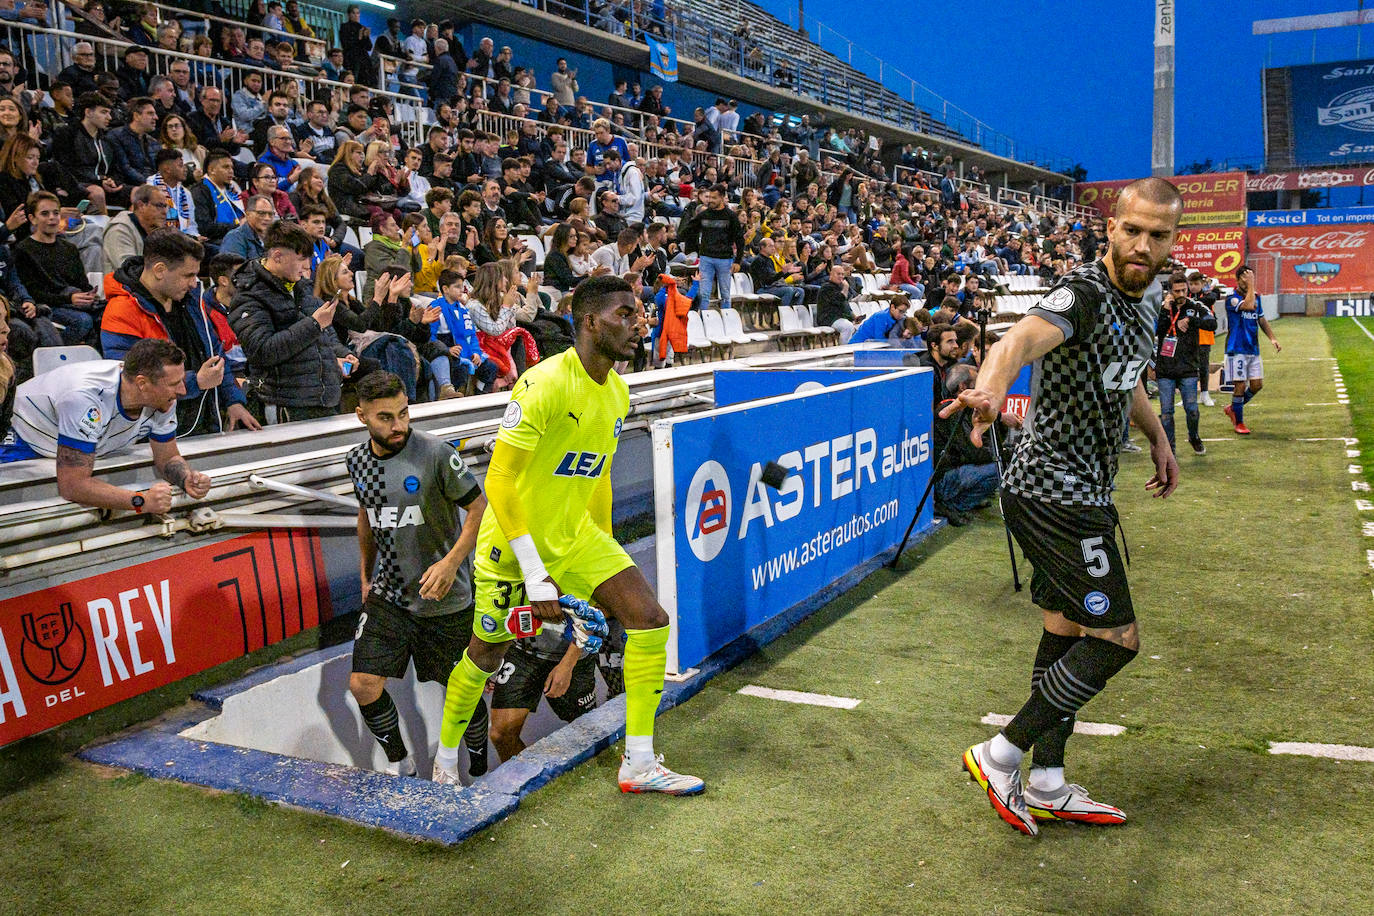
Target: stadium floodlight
(380,4)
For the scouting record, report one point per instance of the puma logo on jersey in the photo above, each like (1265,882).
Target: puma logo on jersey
(575,418)
(580,464)
(392,517)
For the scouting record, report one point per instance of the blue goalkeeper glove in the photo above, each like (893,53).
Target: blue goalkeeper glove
(585,625)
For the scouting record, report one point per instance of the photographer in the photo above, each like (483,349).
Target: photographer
(968,478)
(1207,298)
(1176,357)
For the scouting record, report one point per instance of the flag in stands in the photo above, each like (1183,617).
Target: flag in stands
(662,59)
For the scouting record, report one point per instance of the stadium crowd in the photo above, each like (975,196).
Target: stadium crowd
(268,189)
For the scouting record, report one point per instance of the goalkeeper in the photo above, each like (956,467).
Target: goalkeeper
(548,533)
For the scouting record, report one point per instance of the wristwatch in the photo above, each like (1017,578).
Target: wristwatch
(137,503)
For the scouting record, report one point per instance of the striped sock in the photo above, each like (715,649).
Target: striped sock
(1066,687)
(384,723)
(1049,747)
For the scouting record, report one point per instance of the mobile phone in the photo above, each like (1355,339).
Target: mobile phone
(347,369)
(83,206)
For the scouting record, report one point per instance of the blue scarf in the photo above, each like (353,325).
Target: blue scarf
(228,207)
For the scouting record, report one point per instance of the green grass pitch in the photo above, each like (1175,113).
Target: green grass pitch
(1255,604)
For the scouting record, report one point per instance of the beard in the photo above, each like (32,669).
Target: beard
(390,447)
(1129,281)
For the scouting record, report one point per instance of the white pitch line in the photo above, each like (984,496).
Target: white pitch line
(1105,729)
(1322,404)
(1331,751)
(1363,328)
(1346,439)
(796,696)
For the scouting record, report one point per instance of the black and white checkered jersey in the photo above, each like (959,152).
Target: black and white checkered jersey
(1081,390)
(411,500)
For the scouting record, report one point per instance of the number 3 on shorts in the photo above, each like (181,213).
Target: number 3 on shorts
(1099,564)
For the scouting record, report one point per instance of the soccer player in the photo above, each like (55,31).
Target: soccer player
(1244,367)
(544,665)
(1090,338)
(416,563)
(549,529)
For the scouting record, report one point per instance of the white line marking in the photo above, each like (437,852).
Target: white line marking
(1360,486)
(1226,439)
(1355,469)
(1364,505)
(1105,729)
(795,696)
(1369,555)
(1346,439)
(1368,529)
(1322,404)
(1331,751)
(1352,453)
(1318,359)
(1363,328)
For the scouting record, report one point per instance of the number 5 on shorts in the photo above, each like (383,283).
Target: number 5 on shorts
(1099,564)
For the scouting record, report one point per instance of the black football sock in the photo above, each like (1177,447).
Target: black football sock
(382,720)
(1049,747)
(1066,687)
(475,740)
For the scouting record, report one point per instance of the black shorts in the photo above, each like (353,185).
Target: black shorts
(1077,566)
(388,637)
(520,685)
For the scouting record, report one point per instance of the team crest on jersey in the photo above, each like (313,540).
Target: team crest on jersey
(619,423)
(1096,603)
(511,418)
(496,555)
(580,464)
(412,484)
(1061,300)
(488,623)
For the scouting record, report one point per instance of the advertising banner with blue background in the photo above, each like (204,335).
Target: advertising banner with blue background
(734,386)
(1333,112)
(662,59)
(1333,216)
(734,553)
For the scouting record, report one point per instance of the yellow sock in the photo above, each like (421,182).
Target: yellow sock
(646,658)
(465,686)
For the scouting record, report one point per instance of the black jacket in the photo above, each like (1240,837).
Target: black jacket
(762,273)
(291,360)
(713,234)
(1183,362)
(84,159)
(345,188)
(833,304)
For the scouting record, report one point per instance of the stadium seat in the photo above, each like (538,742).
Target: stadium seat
(793,333)
(47,358)
(734,328)
(806,314)
(697,341)
(97,280)
(714,327)
(535,244)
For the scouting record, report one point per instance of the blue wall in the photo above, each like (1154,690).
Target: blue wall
(1332,123)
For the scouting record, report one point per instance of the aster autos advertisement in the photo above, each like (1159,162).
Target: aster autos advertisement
(1319,259)
(1214,199)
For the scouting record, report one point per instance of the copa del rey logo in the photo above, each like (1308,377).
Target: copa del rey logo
(1327,241)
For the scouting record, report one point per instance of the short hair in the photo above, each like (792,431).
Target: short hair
(214,156)
(290,237)
(149,356)
(958,376)
(137,105)
(223,265)
(166,154)
(378,385)
(448,278)
(88,100)
(171,247)
(965,331)
(628,236)
(435,195)
(591,293)
(721,188)
(1152,190)
(950,302)
(144,194)
(936,331)
(308,210)
(467,199)
(157,83)
(37,197)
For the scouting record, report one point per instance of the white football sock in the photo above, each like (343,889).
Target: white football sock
(1003,753)
(640,751)
(446,758)
(1047,779)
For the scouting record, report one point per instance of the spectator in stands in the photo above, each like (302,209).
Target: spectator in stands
(380,329)
(248,239)
(20,159)
(277,114)
(264,181)
(717,236)
(558,269)
(602,141)
(295,359)
(350,180)
(163,92)
(135,145)
(314,138)
(81,74)
(949,288)
(212,126)
(563,81)
(126,232)
(217,200)
(355,39)
(50,268)
(152,297)
(442,81)
(464,359)
(969,475)
(608,218)
(621,256)
(248,104)
(133,73)
(886,325)
(384,250)
(495,306)
(176,136)
(832,304)
(901,275)
(170,176)
(280,157)
(772,279)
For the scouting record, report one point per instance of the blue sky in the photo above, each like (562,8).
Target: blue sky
(1078,80)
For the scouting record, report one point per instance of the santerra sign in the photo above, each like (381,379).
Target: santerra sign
(1212,199)
(1318,258)
(71,649)
(1302,179)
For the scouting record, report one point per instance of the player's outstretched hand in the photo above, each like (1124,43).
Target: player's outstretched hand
(436,581)
(1166,476)
(985,411)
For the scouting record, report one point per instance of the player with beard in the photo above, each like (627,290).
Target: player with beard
(549,482)
(1090,339)
(416,563)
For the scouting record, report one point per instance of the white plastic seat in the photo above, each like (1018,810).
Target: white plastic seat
(535,244)
(97,281)
(734,328)
(790,328)
(48,358)
(364,236)
(696,334)
(714,325)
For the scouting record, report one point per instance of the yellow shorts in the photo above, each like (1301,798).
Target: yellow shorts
(596,558)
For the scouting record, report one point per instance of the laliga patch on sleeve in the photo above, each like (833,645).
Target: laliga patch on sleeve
(511,419)
(1061,300)
(456,462)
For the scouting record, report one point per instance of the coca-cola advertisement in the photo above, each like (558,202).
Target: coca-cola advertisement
(1319,259)
(1304,179)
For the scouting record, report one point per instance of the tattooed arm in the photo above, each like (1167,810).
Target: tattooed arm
(75,483)
(173,468)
